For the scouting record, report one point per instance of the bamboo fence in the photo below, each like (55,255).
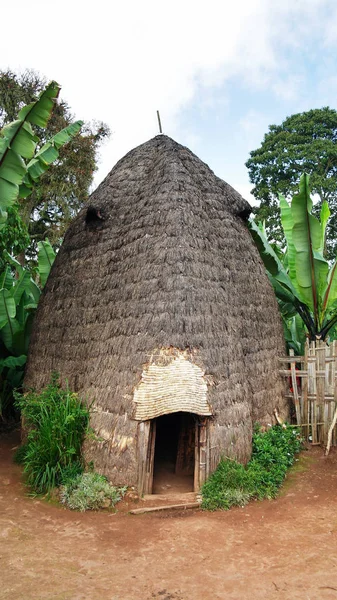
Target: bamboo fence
(313,389)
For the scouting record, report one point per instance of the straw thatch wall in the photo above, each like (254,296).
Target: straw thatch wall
(161,263)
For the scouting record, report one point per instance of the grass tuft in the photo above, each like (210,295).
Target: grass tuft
(56,420)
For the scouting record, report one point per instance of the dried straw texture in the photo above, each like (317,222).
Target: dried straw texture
(172,266)
(170,383)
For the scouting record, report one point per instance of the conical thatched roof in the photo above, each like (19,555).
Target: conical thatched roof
(161,269)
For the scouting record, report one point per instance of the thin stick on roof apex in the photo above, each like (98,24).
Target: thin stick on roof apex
(159,122)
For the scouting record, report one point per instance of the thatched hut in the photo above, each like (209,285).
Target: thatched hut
(159,310)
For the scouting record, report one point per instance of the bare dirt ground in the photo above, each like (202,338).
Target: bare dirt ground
(273,550)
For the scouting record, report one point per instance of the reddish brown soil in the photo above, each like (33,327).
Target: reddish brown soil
(273,550)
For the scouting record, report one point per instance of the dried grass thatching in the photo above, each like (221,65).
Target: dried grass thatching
(161,264)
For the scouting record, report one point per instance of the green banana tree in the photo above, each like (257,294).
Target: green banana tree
(304,282)
(21,163)
(19,297)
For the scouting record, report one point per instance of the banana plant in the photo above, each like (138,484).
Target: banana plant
(294,333)
(19,297)
(21,164)
(46,257)
(304,282)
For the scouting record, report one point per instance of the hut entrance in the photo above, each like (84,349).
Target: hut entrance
(172,453)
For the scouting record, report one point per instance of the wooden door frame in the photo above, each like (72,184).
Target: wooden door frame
(146,451)
(201,464)
(146,447)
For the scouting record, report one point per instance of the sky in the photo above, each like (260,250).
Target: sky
(220,72)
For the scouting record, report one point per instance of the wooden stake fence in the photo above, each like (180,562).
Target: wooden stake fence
(313,389)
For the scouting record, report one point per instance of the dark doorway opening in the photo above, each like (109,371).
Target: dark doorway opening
(174,454)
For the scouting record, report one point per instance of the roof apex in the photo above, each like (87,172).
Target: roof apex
(177,164)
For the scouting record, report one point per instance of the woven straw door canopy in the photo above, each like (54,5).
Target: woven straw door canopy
(178,385)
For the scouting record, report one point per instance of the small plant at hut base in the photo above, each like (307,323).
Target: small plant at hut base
(90,491)
(56,420)
(20,454)
(233,484)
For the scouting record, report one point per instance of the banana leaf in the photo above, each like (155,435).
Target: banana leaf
(330,292)
(294,333)
(18,142)
(324,217)
(33,289)
(271,261)
(7,307)
(38,112)
(287,225)
(21,337)
(6,279)
(21,285)
(13,361)
(46,257)
(47,155)
(12,261)
(311,268)
(3,218)
(14,377)
(8,332)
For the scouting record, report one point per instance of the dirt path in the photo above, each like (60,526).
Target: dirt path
(277,550)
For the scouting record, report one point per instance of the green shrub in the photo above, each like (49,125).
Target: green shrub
(90,491)
(233,484)
(71,471)
(56,420)
(226,487)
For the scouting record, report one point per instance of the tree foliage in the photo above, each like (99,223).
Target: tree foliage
(64,188)
(304,142)
(14,237)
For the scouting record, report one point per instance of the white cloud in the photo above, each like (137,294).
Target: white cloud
(252,122)
(121,61)
(244,189)
(289,88)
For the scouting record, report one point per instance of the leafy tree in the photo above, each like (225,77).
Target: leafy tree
(14,236)
(304,142)
(64,188)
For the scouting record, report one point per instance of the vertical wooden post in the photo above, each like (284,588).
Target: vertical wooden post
(150,457)
(326,402)
(208,449)
(202,452)
(305,407)
(142,442)
(196,458)
(312,368)
(334,351)
(295,389)
(316,401)
(146,446)
(320,374)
